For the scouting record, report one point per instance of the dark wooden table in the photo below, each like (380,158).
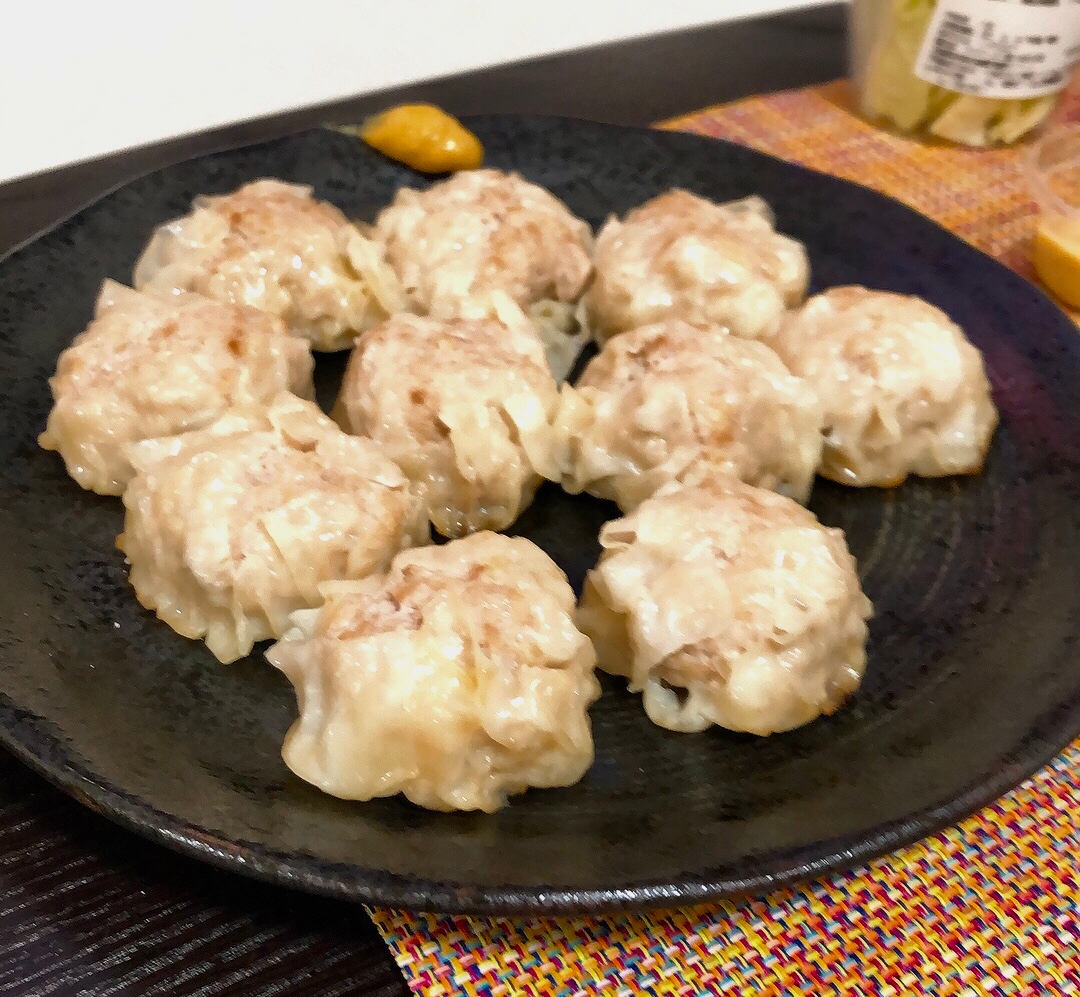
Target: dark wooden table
(87,908)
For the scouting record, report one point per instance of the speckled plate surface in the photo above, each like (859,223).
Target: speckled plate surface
(974,671)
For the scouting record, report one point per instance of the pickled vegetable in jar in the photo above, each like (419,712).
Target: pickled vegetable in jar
(976,72)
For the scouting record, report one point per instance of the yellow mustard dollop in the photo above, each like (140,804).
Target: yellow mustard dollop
(423,137)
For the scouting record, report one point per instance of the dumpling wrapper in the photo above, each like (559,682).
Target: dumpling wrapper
(727,605)
(663,399)
(465,407)
(150,366)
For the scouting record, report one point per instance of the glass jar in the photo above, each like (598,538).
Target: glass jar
(976,72)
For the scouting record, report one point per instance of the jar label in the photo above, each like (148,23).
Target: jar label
(1001,48)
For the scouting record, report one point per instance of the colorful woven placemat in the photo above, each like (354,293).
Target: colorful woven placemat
(991,907)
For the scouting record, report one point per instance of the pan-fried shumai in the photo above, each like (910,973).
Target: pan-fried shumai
(231,528)
(660,400)
(904,392)
(730,605)
(466,407)
(458,678)
(151,365)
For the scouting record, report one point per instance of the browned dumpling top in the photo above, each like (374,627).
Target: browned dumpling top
(462,244)
(662,399)
(680,256)
(273,246)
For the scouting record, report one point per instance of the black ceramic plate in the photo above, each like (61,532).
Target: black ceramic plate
(973,679)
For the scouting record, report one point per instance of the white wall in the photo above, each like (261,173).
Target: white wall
(83,78)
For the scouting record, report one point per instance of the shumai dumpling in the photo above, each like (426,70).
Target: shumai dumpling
(664,398)
(151,365)
(458,679)
(680,256)
(271,245)
(231,528)
(730,605)
(485,232)
(465,407)
(904,392)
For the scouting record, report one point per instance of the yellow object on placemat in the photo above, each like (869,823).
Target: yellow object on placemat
(991,907)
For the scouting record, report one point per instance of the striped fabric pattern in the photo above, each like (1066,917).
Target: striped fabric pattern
(990,907)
